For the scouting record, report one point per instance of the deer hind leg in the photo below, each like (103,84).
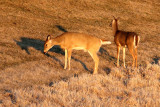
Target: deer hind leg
(69,57)
(96,61)
(124,57)
(118,52)
(131,50)
(136,55)
(66,55)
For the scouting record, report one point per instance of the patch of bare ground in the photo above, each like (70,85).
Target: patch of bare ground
(30,78)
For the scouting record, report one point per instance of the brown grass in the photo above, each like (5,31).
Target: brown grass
(30,78)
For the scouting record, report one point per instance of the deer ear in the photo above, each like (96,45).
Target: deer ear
(114,17)
(48,37)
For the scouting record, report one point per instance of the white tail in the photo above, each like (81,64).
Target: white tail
(104,42)
(70,41)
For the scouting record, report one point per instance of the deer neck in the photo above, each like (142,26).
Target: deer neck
(114,27)
(56,41)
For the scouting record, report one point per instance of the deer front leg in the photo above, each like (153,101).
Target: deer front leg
(69,57)
(118,51)
(66,55)
(124,57)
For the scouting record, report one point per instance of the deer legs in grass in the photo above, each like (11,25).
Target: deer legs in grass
(93,55)
(118,52)
(124,57)
(67,58)
(133,53)
(96,60)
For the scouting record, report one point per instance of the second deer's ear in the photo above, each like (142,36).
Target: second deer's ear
(113,17)
(48,37)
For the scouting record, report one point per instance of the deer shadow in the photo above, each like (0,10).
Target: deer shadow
(25,43)
(104,53)
(61,28)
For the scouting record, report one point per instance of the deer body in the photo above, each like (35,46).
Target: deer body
(125,39)
(78,41)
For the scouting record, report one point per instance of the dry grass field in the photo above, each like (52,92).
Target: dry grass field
(28,78)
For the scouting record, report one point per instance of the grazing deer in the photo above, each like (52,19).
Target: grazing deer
(125,39)
(69,41)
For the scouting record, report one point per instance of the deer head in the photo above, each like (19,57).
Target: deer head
(48,44)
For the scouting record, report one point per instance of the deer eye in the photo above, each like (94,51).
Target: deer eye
(46,44)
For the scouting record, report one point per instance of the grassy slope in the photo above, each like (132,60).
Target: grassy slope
(25,73)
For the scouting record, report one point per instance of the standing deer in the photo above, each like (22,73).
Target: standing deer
(125,39)
(69,41)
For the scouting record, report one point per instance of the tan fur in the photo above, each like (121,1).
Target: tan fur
(78,41)
(125,39)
